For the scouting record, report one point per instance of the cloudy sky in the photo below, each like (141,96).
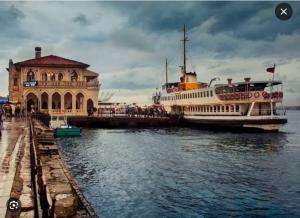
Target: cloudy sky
(127,42)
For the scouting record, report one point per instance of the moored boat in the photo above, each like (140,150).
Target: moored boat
(62,128)
(255,105)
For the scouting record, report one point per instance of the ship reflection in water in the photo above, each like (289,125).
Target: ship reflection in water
(188,173)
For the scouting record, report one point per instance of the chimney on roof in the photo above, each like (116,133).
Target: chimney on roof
(229,81)
(38,52)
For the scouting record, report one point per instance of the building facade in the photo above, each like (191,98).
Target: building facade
(53,85)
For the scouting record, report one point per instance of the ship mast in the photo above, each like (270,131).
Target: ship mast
(185,39)
(166,71)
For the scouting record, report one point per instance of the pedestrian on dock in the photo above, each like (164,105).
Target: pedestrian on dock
(1,121)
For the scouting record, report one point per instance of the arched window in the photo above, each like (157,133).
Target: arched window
(52,77)
(44,77)
(74,76)
(30,75)
(60,76)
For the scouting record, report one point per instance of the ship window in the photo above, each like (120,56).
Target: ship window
(237,108)
(211,93)
(215,109)
(231,108)
(223,108)
(227,108)
(201,94)
(218,108)
(207,94)
(204,94)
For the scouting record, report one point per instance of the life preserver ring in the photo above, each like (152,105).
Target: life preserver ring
(256,94)
(249,95)
(265,94)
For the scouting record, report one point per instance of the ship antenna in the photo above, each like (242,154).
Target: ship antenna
(185,39)
(166,71)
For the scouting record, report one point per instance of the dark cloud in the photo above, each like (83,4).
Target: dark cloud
(249,20)
(10,18)
(10,15)
(81,20)
(132,39)
(127,42)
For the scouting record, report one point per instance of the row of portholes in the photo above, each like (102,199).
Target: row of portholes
(52,76)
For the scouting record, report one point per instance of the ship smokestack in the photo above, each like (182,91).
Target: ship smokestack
(247,79)
(38,52)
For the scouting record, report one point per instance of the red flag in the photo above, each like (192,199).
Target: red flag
(271,69)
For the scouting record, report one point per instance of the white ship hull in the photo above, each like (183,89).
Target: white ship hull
(260,123)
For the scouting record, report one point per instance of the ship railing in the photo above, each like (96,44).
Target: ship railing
(251,95)
(268,112)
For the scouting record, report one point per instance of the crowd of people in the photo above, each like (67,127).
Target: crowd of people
(132,111)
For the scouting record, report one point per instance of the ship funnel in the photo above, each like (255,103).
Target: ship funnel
(247,79)
(229,81)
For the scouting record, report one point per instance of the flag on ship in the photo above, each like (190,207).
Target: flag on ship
(271,69)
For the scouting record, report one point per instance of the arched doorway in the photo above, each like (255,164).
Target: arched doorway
(68,101)
(32,102)
(79,101)
(56,101)
(44,100)
(90,106)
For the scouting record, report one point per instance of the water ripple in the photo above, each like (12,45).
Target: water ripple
(188,173)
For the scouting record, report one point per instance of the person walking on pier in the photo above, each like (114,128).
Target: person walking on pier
(1,121)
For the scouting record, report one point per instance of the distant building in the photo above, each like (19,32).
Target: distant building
(53,84)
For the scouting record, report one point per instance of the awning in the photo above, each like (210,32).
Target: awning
(4,100)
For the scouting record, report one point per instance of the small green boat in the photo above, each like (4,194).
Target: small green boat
(62,128)
(67,131)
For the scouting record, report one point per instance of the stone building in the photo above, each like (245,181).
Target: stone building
(53,84)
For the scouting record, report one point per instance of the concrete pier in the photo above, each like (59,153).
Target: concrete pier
(33,172)
(121,122)
(15,177)
(59,193)
(117,121)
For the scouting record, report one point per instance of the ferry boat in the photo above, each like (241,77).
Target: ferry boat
(251,105)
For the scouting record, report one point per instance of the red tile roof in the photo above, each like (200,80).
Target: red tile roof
(52,61)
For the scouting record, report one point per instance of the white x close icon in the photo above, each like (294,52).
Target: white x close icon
(283,11)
